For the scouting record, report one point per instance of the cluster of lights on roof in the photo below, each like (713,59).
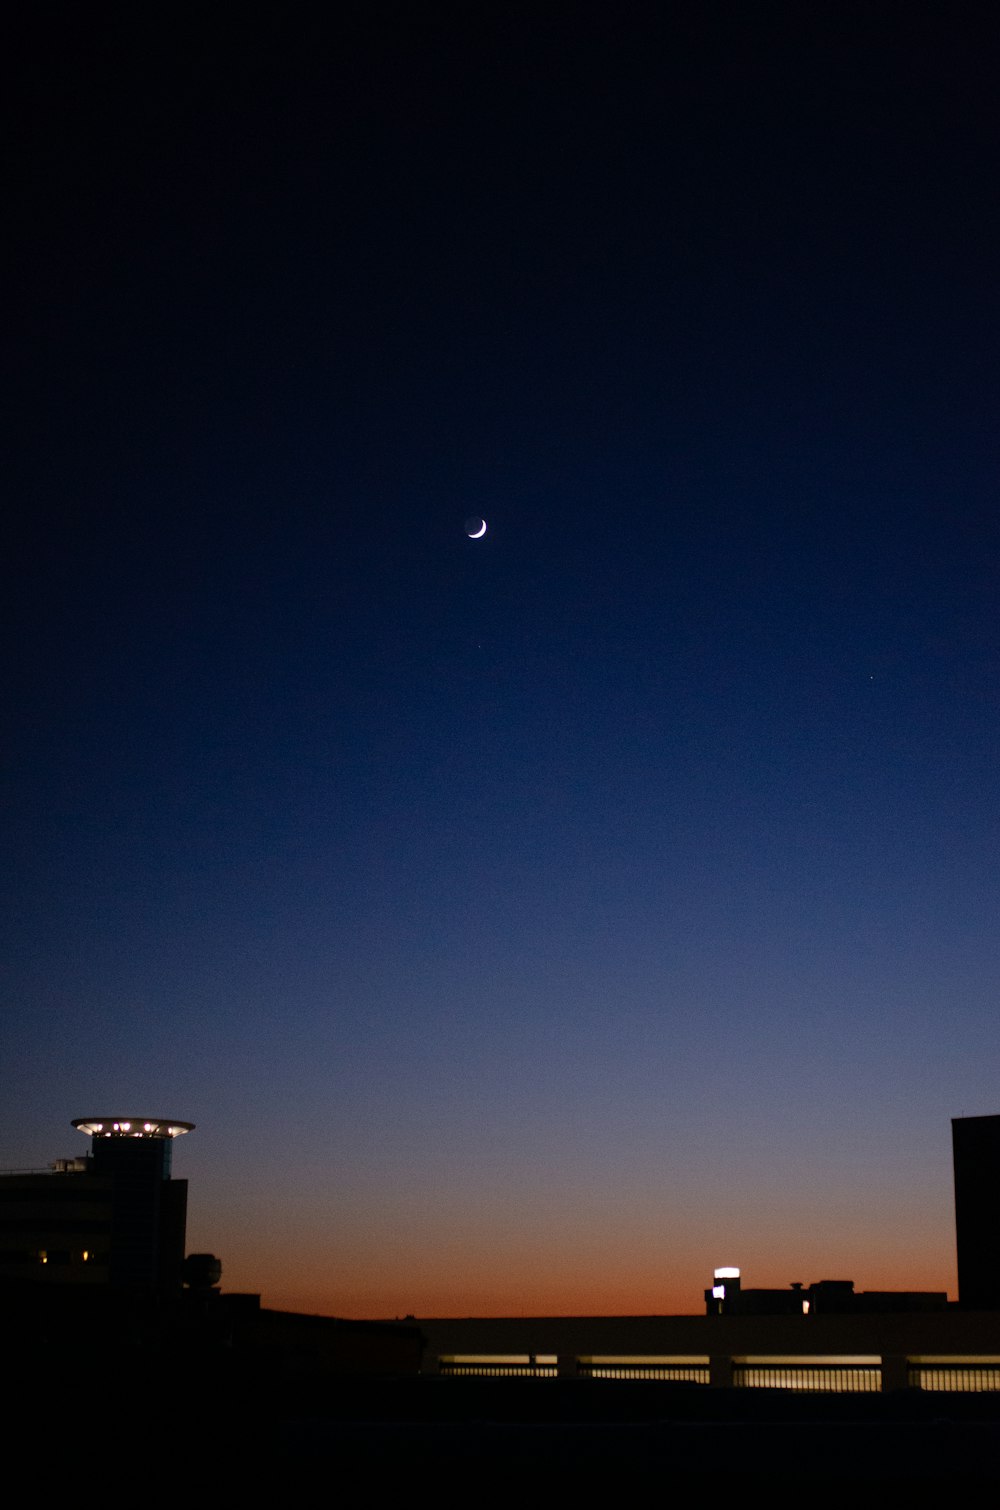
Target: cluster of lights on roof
(131,1127)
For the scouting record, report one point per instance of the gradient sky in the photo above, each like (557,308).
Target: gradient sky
(528,924)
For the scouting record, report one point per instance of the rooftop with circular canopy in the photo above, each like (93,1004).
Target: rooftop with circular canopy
(132,1127)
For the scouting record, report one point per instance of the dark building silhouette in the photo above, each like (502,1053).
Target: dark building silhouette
(114,1218)
(826,1297)
(92,1270)
(975,1145)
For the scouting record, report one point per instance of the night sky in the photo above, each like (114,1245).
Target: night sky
(528,924)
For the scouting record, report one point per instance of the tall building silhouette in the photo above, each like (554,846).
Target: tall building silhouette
(975,1145)
(93,1270)
(115,1218)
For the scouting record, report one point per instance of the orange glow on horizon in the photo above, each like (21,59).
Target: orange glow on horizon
(384,1293)
(427,1257)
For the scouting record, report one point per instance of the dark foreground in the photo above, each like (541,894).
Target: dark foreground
(577,1429)
(225,1430)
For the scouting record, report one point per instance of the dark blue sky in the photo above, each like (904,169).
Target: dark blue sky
(529,923)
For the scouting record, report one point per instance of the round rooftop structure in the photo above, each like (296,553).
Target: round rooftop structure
(132,1127)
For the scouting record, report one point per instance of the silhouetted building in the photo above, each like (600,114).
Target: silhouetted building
(975,1145)
(115,1218)
(93,1271)
(827,1297)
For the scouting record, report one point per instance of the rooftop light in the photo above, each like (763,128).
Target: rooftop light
(129,1127)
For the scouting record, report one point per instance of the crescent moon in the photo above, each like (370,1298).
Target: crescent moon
(479,533)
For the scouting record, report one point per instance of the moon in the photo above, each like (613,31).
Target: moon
(475,528)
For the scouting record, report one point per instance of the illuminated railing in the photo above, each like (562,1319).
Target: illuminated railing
(818,1375)
(681,1370)
(955,1375)
(808,1374)
(499,1365)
